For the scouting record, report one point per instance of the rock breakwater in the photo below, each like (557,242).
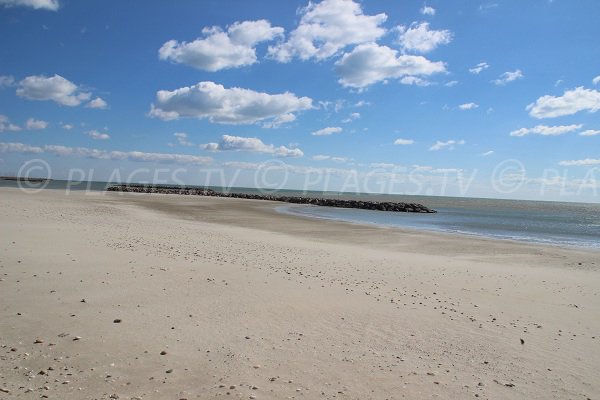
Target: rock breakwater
(317,201)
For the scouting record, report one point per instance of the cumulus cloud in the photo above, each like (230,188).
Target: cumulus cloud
(7,126)
(68,127)
(468,106)
(451,83)
(94,134)
(136,156)
(581,163)
(326,28)
(403,141)
(590,132)
(35,124)
(427,10)
(51,5)
(225,106)
(571,102)
(55,88)
(413,80)
(182,139)
(327,131)
(446,145)
(509,77)
(544,130)
(322,157)
(479,67)
(97,103)
(419,38)
(279,121)
(220,49)
(369,63)
(251,144)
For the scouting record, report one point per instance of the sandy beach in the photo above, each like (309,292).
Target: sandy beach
(135,296)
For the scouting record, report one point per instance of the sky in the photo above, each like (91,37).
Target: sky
(460,98)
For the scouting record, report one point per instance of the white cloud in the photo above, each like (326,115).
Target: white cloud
(403,141)
(280,120)
(219,50)
(581,163)
(451,83)
(6,81)
(427,10)
(55,88)
(413,80)
(479,67)
(7,126)
(242,165)
(251,144)
(370,63)
(35,124)
(97,103)
(353,116)
(596,80)
(225,106)
(327,131)
(362,103)
(544,130)
(136,156)
(51,5)
(327,27)
(94,134)
(322,157)
(468,106)
(419,38)
(448,144)
(337,105)
(68,127)
(19,148)
(509,77)
(590,132)
(487,153)
(182,139)
(571,102)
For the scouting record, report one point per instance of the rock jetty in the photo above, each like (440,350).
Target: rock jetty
(196,191)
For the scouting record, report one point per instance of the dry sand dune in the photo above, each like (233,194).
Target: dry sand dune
(172,297)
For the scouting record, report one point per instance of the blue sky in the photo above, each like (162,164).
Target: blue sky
(474,98)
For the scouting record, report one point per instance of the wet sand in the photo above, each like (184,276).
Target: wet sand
(177,297)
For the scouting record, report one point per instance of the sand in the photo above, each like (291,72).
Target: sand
(112,295)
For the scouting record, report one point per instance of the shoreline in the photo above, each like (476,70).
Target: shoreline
(440,231)
(217,295)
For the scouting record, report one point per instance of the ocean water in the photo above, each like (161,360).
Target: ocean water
(554,223)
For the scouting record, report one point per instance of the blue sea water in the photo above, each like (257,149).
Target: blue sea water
(555,223)
(564,224)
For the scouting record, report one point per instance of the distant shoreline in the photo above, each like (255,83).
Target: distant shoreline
(24,179)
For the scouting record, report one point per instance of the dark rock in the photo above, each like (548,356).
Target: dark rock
(339,203)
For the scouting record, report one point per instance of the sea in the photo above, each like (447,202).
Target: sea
(553,223)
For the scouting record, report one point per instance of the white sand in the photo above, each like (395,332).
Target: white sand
(240,296)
